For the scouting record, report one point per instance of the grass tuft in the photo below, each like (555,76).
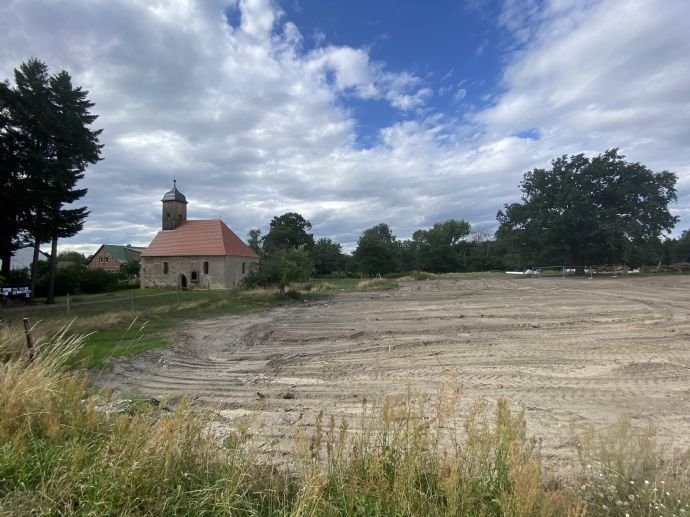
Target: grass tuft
(376,283)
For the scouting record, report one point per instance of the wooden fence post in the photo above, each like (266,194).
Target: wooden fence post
(29,339)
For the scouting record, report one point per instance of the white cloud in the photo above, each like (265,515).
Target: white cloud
(614,78)
(252,126)
(459,94)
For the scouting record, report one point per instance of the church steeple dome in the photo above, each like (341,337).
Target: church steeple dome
(174,194)
(174,208)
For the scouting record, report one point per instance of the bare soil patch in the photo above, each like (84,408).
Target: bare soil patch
(571,351)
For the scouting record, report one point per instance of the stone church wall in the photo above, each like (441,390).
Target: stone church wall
(223,272)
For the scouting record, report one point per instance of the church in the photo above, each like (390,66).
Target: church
(194,253)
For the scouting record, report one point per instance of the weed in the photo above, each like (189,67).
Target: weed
(624,470)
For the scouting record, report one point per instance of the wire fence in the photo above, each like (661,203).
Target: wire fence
(127,301)
(591,271)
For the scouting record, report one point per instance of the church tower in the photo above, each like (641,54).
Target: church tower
(174,208)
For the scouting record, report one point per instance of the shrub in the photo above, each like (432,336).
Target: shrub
(98,281)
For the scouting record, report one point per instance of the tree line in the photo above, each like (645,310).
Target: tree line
(582,211)
(46,144)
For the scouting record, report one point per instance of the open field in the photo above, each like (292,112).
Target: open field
(572,351)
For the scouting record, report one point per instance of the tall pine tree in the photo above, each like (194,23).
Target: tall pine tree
(10,198)
(47,133)
(75,146)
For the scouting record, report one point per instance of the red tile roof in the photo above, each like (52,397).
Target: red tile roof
(197,238)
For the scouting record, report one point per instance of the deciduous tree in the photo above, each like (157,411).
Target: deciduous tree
(327,256)
(583,210)
(438,247)
(376,250)
(254,240)
(288,231)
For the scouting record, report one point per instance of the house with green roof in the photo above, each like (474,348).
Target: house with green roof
(111,256)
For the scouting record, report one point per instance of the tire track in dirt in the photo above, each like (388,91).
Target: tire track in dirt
(567,350)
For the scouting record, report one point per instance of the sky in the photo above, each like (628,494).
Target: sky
(354,112)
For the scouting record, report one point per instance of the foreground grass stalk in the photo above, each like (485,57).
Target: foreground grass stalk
(66,450)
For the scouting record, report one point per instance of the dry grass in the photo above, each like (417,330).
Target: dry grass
(66,450)
(373,283)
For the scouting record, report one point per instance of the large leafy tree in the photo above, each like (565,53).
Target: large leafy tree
(288,231)
(327,256)
(582,210)
(439,246)
(285,251)
(376,250)
(49,138)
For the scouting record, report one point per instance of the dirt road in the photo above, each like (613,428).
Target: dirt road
(569,351)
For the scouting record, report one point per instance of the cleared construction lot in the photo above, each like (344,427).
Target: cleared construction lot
(570,351)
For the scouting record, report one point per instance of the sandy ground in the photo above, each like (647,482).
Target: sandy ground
(567,350)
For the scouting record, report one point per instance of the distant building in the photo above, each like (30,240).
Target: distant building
(197,253)
(111,256)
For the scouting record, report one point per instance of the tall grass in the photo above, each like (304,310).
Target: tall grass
(67,450)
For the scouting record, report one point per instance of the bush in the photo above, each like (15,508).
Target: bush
(67,280)
(17,277)
(98,281)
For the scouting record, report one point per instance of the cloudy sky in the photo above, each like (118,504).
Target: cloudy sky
(355,112)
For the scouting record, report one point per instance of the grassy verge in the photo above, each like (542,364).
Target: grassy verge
(112,329)
(66,451)
(126,323)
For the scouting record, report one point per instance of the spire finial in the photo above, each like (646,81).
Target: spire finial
(174,183)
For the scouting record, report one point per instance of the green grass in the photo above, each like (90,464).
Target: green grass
(113,330)
(129,322)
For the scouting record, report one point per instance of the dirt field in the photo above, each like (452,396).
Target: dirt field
(569,351)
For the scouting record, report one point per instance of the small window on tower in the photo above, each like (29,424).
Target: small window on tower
(205,268)
(106,259)
(165,268)
(100,259)
(243,267)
